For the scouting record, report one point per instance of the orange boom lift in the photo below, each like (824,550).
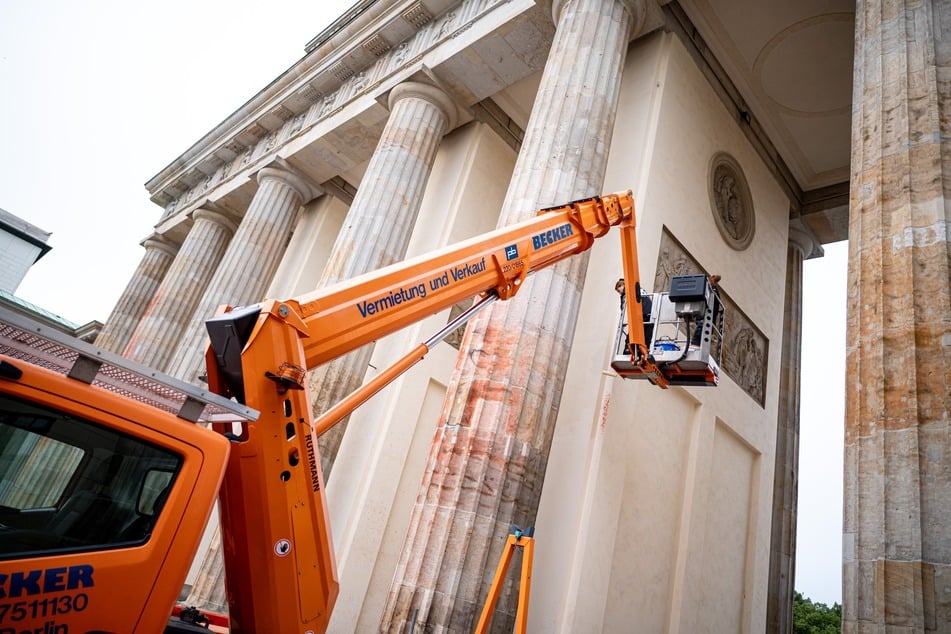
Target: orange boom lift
(106,483)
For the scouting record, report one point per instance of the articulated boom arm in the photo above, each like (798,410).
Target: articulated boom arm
(279,559)
(637,340)
(348,315)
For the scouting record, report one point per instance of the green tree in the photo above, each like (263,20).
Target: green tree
(815,618)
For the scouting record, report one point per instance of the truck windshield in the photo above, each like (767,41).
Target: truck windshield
(68,484)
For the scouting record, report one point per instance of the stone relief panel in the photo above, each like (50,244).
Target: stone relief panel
(730,201)
(454,338)
(745,347)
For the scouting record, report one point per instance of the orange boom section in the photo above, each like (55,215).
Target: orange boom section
(279,559)
(104,496)
(348,315)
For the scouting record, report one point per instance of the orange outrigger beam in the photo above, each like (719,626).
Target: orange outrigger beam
(517,539)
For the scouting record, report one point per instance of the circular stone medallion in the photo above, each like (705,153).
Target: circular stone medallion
(730,201)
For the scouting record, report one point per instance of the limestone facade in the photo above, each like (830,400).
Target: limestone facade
(425,123)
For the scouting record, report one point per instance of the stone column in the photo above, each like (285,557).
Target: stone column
(782,556)
(208,591)
(137,295)
(897,512)
(155,338)
(488,458)
(380,222)
(249,262)
(242,278)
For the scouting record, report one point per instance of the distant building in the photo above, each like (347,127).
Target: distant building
(21,245)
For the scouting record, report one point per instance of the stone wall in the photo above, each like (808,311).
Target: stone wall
(656,505)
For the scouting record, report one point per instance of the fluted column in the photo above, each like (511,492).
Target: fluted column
(155,339)
(896,573)
(782,556)
(137,294)
(208,591)
(378,227)
(249,262)
(488,458)
(242,278)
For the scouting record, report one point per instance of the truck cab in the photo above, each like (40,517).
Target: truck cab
(104,495)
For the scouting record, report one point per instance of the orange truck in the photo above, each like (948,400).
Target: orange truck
(108,476)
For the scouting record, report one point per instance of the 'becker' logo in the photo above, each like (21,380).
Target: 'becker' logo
(551,236)
(18,584)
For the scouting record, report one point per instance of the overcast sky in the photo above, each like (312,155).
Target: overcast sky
(98,97)
(822,424)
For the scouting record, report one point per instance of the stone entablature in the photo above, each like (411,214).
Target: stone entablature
(289,110)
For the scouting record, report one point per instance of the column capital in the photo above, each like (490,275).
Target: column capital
(280,170)
(637,9)
(801,237)
(224,219)
(161,243)
(426,92)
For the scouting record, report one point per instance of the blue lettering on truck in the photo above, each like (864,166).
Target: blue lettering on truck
(27,598)
(18,584)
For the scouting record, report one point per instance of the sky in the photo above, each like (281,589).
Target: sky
(97,97)
(822,426)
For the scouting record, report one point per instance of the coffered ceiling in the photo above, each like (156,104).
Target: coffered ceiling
(789,65)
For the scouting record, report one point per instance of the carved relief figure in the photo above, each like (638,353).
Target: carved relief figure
(454,339)
(360,82)
(728,203)
(399,55)
(446,25)
(326,105)
(670,264)
(730,200)
(749,361)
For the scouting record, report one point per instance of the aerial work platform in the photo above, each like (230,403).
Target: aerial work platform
(683,334)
